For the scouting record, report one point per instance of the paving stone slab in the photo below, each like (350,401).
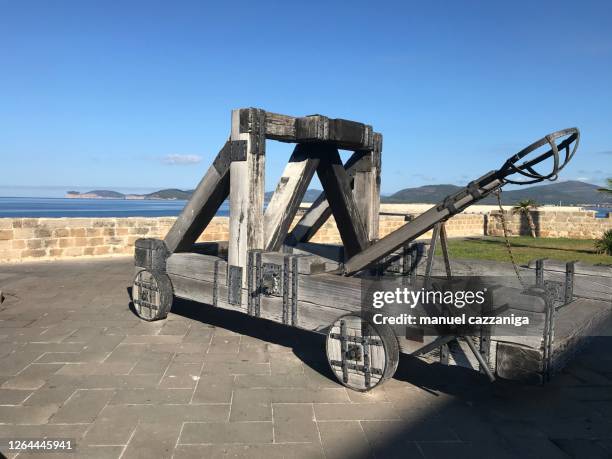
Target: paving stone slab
(152,363)
(343,439)
(151,396)
(224,344)
(153,440)
(27,414)
(13,396)
(354,412)
(181,376)
(251,405)
(221,432)
(283,412)
(273,451)
(57,395)
(214,389)
(169,413)
(83,406)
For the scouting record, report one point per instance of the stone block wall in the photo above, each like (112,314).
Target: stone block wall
(58,238)
(576,225)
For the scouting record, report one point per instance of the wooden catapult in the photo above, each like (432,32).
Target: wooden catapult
(269,269)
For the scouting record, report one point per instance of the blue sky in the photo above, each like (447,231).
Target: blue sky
(138,94)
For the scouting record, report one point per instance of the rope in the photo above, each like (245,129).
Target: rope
(507,240)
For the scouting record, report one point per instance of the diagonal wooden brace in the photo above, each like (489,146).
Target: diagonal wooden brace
(337,186)
(210,193)
(288,195)
(320,211)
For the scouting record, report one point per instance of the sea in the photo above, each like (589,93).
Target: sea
(66,207)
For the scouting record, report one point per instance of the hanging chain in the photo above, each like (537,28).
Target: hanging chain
(507,240)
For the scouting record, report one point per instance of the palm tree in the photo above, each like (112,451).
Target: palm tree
(525,207)
(607,190)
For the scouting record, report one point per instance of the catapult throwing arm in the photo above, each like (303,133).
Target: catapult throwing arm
(523,168)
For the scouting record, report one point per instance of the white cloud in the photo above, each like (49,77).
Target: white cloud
(181,159)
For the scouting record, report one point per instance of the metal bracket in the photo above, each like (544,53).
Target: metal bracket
(234,285)
(216,284)
(286,276)
(253,121)
(233,150)
(294,291)
(570,270)
(540,273)
(272,279)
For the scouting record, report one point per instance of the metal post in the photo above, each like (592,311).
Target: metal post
(570,271)
(444,351)
(540,273)
(430,254)
(444,246)
(483,364)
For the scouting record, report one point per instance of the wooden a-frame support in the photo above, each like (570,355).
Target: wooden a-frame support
(238,173)
(363,170)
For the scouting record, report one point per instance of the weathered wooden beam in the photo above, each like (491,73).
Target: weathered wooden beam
(337,187)
(451,206)
(366,188)
(247,189)
(342,133)
(288,195)
(319,211)
(315,128)
(210,193)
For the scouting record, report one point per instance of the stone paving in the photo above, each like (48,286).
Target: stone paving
(75,362)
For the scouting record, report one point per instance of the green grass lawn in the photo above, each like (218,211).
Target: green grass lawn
(526,249)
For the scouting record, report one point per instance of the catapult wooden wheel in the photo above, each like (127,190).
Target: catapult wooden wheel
(361,355)
(152,295)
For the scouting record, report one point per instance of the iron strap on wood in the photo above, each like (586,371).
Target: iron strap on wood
(343,351)
(216,283)
(250,291)
(294,291)
(146,304)
(148,285)
(286,276)
(258,285)
(356,339)
(365,345)
(354,366)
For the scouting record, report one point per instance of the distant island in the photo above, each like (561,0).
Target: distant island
(571,192)
(167,194)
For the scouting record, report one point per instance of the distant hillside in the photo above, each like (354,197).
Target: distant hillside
(422,194)
(309,196)
(568,193)
(170,193)
(96,194)
(571,192)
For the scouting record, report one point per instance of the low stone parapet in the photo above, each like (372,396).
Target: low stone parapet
(57,238)
(577,225)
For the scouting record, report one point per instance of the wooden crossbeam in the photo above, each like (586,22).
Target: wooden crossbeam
(288,195)
(337,187)
(320,211)
(314,128)
(210,193)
